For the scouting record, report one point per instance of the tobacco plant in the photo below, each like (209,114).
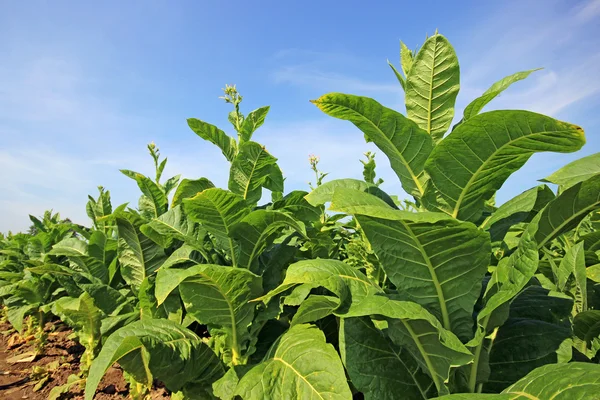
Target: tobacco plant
(441,294)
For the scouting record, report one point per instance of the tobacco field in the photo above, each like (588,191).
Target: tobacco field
(341,291)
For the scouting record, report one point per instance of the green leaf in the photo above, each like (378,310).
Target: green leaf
(473,162)
(586,326)
(253,121)
(171,183)
(139,256)
(214,135)
(170,308)
(256,231)
(477,105)
(407,58)
(336,276)
(433,260)
(216,296)
(516,210)
(249,171)
(314,308)
(77,252)
(186,254)
(591,241)
(567,210)
(189,188)
(432,86)
(573,263)
(218,210)
(172,225)
(398,75)
(291,369)
(413,327)
(158,349)
(405,144)
(158,198)
(575,172)
(530,338)
(437,265)
(377,367)
(325,192)
(82,315)
(351,201)
(296,204)
(574,380)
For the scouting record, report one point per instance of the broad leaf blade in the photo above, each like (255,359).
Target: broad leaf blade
(218,210)
(250,170)
(325,192)
(214,135)
(139,256)
(253,121)
(567,210)
(216,296)
(432,86)
(255,232)
(176,355)
(411,326)
(154,193)
(189,188)
(575,172)
(292,370)
(473,162)
(377,367)
(477,105)
(405,144)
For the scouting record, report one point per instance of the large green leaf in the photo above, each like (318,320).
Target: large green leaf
(567,210)
(172,225)
(85,318)
(508,279)
(214,135)
(296,203)
(158,349)
(531,337)
(301,365)
(436,349)
(78,253)
(586,326)
(473,162)
(336,276)
(574,380)
(218,210)
(252,122)
(324,193)
(477,105)
(405,144)
(153,192)
(351,201)
(255,232)
(139,256)
(438,265)
(432,86)
(216,296)
(250,170)
(575,172)
(516,210)
(189,188)
(377,367)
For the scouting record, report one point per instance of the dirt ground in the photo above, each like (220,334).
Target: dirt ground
(60,359)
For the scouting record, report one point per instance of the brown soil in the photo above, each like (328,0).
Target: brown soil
(17,381)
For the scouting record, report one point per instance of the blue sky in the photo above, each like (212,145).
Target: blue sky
(84,86)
